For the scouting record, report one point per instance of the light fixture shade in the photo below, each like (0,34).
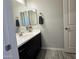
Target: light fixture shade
(21,1)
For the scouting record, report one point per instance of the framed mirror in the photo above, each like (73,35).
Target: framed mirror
(32,14)
(25,21)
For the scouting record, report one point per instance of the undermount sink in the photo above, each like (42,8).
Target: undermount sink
(26,36)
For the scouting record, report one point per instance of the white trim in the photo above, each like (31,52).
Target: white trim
(54,48)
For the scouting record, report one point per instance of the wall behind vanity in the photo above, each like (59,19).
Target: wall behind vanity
(52,29)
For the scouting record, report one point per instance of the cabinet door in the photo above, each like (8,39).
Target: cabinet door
(35,46)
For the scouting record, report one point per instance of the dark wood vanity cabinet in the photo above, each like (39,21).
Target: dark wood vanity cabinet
(30,49)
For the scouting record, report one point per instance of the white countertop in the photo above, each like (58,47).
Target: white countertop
(26,37)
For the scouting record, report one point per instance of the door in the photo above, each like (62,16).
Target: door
(10,50)
(69,13)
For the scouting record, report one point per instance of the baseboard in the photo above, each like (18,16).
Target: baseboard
(54,48)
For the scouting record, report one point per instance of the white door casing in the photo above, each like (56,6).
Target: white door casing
(10,50)
(69,16)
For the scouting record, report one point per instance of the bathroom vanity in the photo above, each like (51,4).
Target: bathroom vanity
(29,44)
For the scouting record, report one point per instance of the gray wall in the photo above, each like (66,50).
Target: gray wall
(52,30)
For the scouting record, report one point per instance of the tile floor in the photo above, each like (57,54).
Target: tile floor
(55,54)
